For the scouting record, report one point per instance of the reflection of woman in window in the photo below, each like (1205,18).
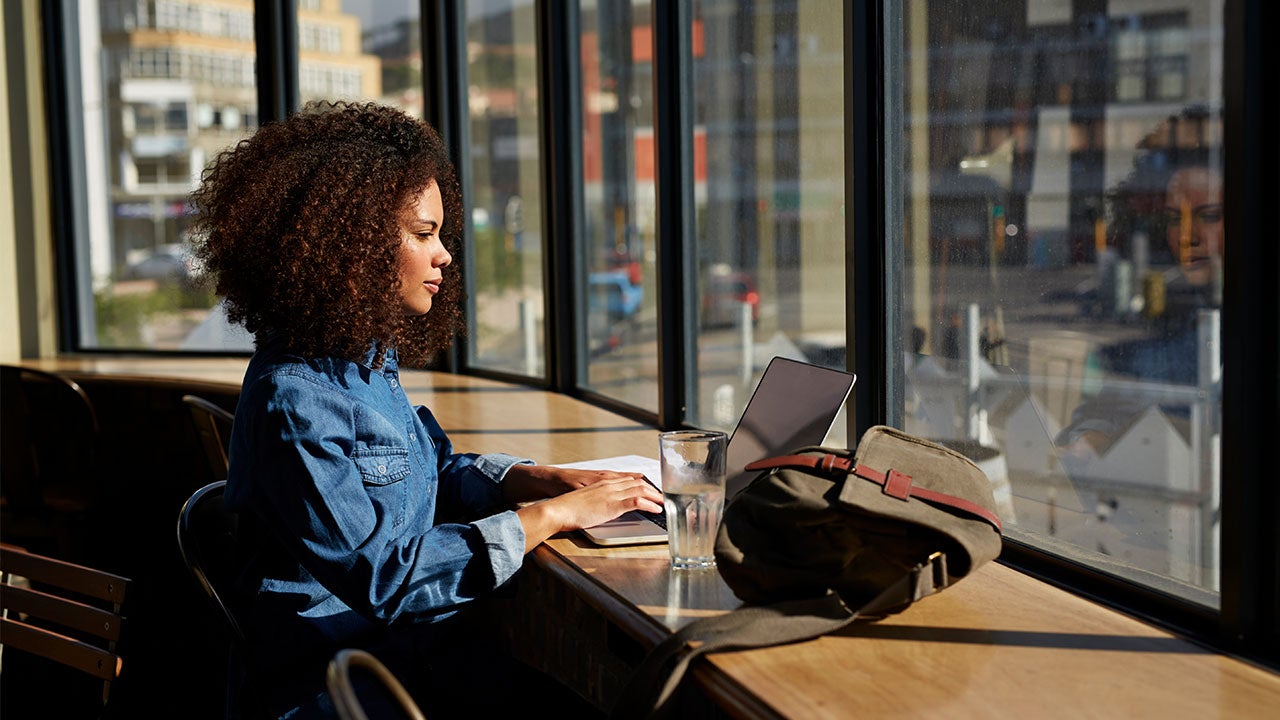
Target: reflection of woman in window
(1174,197)
(1193,223)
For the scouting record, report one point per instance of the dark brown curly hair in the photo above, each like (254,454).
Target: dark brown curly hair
(299,226)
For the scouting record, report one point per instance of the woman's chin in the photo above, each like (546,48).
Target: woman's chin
(1198,273)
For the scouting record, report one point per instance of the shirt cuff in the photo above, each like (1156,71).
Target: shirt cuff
(504,538)
(494,466)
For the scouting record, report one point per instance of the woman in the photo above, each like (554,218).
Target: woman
(331,236)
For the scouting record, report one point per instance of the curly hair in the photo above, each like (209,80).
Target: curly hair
(299,226)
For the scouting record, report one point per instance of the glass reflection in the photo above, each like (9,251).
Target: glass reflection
(1063,270)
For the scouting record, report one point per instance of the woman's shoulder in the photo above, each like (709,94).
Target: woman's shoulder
(275,374)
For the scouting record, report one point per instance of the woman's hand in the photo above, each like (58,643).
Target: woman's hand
(605,496)
(535,482)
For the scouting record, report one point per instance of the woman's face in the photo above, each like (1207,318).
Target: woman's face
(1193,222)
(422,254)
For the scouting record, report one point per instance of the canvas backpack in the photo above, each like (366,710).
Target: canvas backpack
(821,538)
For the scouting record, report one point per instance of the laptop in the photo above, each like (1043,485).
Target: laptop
(794,405)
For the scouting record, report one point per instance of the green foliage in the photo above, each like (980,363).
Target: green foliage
(121,318)
(497,265)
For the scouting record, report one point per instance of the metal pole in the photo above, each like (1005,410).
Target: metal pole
(1206,433)
(973,356)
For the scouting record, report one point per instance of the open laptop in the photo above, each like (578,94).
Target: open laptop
(794,405)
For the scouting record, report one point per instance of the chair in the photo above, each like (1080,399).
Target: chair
(48,445)
(355,700)
(207,542)
(213,424)
(67,613)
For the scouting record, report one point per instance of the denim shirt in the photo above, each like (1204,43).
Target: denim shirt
(349,486)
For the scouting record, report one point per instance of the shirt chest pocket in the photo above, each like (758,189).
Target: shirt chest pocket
(381,471)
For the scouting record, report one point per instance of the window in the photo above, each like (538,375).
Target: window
(768,167)
(503,172)
(618,200)
(142,153)
(367,51)
(1062,276)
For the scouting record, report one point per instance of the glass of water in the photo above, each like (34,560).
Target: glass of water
(693,475)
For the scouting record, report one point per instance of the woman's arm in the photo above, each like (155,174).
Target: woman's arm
(603,496)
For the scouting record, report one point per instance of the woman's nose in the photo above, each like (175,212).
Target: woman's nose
(443,258)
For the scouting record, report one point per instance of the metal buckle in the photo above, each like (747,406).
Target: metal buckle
(938,561)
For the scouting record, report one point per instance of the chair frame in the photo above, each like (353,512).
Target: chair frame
(81,621)
(343,693)
(210,421)
(37,511)
(192,556)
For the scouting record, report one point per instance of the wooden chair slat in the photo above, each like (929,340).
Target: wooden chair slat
(95,661)
(62,611)
(68,576)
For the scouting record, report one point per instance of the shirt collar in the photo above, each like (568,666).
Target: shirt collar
(390,359)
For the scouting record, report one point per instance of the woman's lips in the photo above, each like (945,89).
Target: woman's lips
(434,287)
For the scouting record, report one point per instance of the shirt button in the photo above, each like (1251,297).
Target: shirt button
(382,469)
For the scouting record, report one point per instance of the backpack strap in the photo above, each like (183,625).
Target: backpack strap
(650,689)
(894,483)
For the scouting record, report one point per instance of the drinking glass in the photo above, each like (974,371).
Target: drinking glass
(693,476)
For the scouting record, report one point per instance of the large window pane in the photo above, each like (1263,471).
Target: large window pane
(167,85)
(505,198)
(768,198)
(361,50)
(617,167)
(768,165)
(1061,301)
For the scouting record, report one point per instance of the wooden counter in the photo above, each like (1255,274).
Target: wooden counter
(998,644)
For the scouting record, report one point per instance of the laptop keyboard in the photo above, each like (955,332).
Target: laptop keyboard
(659,519)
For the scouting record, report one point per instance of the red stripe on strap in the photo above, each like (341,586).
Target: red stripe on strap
(893,483)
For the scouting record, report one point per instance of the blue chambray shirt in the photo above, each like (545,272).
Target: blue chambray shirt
(350,482)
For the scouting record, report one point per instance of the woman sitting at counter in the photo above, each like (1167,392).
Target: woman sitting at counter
(331,236)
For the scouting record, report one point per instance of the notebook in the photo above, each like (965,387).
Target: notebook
(794,405)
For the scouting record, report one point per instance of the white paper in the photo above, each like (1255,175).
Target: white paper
(650,467)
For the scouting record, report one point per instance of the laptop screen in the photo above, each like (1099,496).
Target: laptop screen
(794,405)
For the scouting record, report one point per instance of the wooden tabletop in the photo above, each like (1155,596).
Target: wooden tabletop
(997,644)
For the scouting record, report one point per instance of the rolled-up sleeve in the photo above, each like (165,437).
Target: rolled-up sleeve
(504,538)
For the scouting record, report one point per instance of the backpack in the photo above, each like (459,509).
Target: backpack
(821,538)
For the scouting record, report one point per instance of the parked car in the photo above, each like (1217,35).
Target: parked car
(723,295)
(613,293)
(171,263)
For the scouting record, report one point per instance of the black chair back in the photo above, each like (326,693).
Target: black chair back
(213,425)
(48,449)
(207,539)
